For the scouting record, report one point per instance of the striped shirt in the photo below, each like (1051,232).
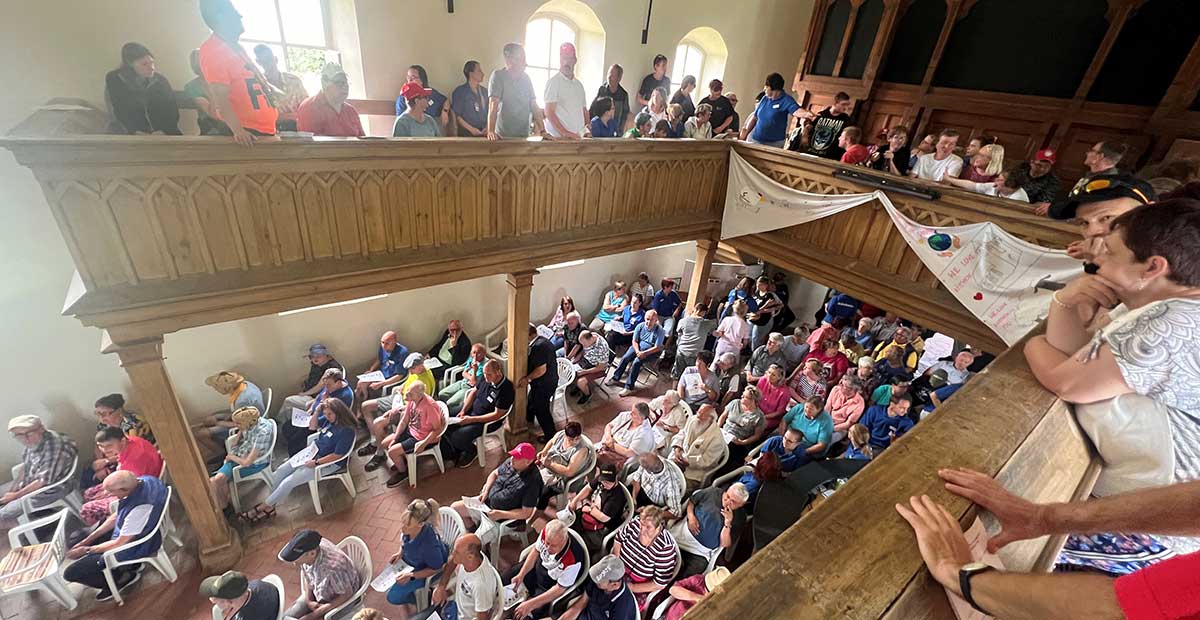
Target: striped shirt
(654,563)
(664,488)
(49,461)
(257,437)
(331,574)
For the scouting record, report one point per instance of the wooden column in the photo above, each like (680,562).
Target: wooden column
(220,548)
(855,5)
(816,26)
(519,286)
(954,10)
(706,250)
(882,44)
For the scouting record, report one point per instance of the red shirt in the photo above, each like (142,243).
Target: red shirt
(856,154)
(1169,590)
(316,115)
(835,365)
(140,457)
(226,63)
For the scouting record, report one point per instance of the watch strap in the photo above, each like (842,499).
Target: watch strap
(965,575)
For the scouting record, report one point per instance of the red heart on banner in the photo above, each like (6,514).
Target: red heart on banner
(978,296)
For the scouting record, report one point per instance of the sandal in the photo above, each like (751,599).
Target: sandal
(257,515)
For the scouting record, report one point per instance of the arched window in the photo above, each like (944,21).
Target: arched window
(295,30)
(543,36)
(689,60)
(700,53)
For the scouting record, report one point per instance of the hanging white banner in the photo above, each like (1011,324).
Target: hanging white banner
(991,272)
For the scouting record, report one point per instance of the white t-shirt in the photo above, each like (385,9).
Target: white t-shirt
(570,98)
(478,590)
(934,170)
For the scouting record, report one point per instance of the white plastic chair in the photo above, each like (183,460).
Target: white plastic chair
(660,612)
(329,471)
(496,339)
(583,572)
(511,528)
(434,449)
(72,501)
(730,477)
(263,475)
(707,480)
(267,397)
(360,555)
(630,510)
(50,580)
(160,560)
(566,377)
(588,466)
(481,445)
(451,376)
(275,581)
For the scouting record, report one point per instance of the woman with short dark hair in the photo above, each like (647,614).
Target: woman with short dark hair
(140,98)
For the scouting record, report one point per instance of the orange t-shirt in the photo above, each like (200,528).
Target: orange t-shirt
(224,63)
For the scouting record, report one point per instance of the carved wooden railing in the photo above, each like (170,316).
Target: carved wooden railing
(861,252)
(176,232)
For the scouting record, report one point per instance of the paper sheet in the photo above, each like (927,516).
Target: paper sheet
(432,363)
(303,456)
(372,377)
(545,332)
(473,503)
(387,578)
(512,597)
(300,417)
(693,387)
(453,420)
(977,538)
(727,436)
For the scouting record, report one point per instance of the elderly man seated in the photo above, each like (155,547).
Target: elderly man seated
(957,370)
(47,458)
(319,360)
(330,574)
(699,447)
(729,377)
(472,374)
(420,425)
(140,504)
(390,363)
(382,424)
(626,436)
(648,550)
(714,517)
(592,355)
(647,345)
(901,339)
(795,347)
(548,571)
(239,598)
(699,383)
(888,423)
(511,491)
(478,593)
(606,595)
(333,385)
(669,414)
(483,410)
(452,349)
(215,429)
(133,454)
(657,482)
(691,333)
(764,356)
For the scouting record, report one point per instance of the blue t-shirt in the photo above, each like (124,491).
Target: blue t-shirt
(788,461)
(468,106)
(854,454)
(772,118)
(648,338)
(601,129)
(734,295)
(841,305)
(631,319)
(944,392)
(877,420)
(436,101)
(665,305)
(425,550)
(817,430)
(392,364)
(334,439)
(706,504)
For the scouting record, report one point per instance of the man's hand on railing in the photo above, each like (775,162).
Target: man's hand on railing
(1019,519)
(242,137)
(940,539)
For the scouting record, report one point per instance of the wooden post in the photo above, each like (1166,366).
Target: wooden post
(143,362)
(706,250)
(519,287)
(954,10)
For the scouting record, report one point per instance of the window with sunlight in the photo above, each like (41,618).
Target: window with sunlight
(296,30)
(689,60)
(543,35)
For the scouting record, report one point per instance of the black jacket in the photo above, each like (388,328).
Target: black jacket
(140,105)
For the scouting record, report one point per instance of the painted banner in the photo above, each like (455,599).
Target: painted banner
(991,272)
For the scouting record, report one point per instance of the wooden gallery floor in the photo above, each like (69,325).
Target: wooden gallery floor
(372,516)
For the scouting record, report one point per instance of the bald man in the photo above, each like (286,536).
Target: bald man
(389,361)
(479,591)
(141,501)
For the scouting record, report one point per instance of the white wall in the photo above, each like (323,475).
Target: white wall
(62,48)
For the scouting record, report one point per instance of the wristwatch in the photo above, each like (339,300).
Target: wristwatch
(965,574)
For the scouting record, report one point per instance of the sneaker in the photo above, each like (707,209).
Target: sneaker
(583,399)
(625,392)
(106,595)
(368,450)
(376,462)
(397,479)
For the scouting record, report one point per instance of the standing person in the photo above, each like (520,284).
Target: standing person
(240,92)
(893,157)
(327,113)
(760,320)
(469,103)
(854,153)
(654,81)
(722,108)
(683,96)
(288,87)
(942,162)
(139,97)
(512,105)
(828,127)
(693,330)
(566,101)
(768,124)
(415,122)
(542,380)
(437,101)
(612,89)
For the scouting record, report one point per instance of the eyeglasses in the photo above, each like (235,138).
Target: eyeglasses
(23,434)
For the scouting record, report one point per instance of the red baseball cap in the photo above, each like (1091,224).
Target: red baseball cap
(412,90)
(1046,155)
(524,451)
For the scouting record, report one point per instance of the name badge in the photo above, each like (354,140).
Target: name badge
(776,106)
(491,397)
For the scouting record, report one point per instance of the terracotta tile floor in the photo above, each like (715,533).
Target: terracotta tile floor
(372,516)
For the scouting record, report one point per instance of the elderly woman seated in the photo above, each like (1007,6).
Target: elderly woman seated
(110,411)
(670,414)
(252,441)
(744,424)
(215,428)
(563,458)
(648,550)
(598,507)
(472,374)
(774,395)
(591,356)
(807,381)
(628,435)
(699,447)
(610,308)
